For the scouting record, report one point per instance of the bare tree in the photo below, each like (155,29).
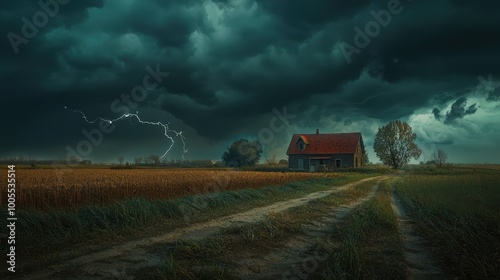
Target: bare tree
(138,160)
(121,160)
(74,159)
(439,157)
(155,159)
(272,160)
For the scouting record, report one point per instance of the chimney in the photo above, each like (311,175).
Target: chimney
(317,131)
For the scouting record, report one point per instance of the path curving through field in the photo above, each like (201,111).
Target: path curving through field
(116,262)
(297,258)
(420,262)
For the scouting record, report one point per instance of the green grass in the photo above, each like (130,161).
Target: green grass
(370,244)
(191,260)
(460,214)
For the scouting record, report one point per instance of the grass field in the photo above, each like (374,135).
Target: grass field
(460,215)
(455,210)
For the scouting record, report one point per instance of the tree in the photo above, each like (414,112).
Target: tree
(138,160)
(439,157)
(121,160)
(155,159)
(74,159)
(395,144)
(242,153)
(272,160)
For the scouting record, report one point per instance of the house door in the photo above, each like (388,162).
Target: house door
(338,163)
(301,164)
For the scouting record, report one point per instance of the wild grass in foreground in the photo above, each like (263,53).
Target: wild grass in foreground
(191,260)
(460,215)
(370,244)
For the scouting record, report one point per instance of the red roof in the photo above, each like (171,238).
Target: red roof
(326,144)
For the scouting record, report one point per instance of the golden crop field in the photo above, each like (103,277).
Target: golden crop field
(69,188)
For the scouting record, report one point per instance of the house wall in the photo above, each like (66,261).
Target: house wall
(359,155)
(293,162)
(347,160)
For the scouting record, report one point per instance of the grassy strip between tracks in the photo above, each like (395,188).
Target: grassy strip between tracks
(368,245)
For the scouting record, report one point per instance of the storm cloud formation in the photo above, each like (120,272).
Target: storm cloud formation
(231,62)
(458,110)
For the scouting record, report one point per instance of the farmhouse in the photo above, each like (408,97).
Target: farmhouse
(327,151)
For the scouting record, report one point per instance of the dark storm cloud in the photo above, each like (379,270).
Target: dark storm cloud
(437,114)
(320,12)
(459,109)
(232,62)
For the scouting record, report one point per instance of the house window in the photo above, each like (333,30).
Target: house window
(301,146)
(338,163)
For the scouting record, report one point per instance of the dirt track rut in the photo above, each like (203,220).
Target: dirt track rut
(117,261)
(419,259)
(295,260)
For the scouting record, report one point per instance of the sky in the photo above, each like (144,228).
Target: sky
(218,71)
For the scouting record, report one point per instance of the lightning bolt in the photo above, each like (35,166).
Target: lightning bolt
(166,129)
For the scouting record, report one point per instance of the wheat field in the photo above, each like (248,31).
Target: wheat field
(41,189)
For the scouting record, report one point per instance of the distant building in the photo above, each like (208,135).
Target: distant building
(329,151)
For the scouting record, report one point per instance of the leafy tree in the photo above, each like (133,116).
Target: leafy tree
(439,157)
(395,144)
(242,153)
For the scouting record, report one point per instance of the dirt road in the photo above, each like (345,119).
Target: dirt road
(288,261)
(420,262)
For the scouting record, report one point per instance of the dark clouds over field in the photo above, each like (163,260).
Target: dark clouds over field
(230,63)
